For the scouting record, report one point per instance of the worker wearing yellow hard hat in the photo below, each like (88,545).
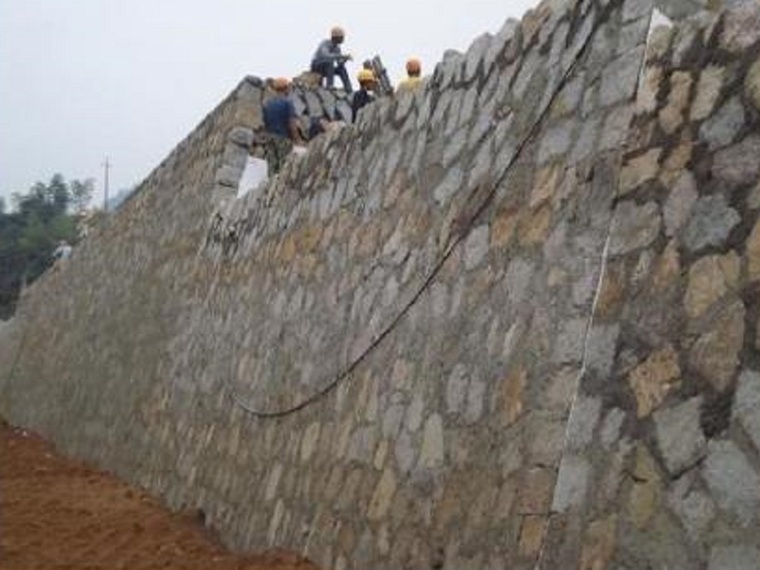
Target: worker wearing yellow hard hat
(413,76)
(364,96)
(329,61)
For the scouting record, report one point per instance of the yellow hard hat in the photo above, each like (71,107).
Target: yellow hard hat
(337,32)
(413,65)
(280,84)
(365,75)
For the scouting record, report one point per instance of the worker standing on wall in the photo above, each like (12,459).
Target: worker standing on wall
(328,60)
(281,122)
(413,76)
(365,94)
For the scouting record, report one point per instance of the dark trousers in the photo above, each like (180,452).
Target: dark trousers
(328,70)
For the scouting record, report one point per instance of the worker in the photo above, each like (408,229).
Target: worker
(413,73)
(281,123)
(329,60)
(364,95)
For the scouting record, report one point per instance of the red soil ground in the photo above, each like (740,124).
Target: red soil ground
(58,514)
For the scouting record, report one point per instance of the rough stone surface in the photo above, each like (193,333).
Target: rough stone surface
(634,227)
(733,480)
(710,223)
(654,379)
(418,301)
(736,557)
(715,355)
(747,409)
(679,435)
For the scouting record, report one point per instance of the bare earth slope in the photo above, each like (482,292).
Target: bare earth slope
(58,514)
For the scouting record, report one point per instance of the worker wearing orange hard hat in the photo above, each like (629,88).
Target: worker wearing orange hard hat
(413,76)
(364,95)
(328,60)
(281,123)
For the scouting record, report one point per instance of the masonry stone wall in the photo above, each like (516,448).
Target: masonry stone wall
(506,321)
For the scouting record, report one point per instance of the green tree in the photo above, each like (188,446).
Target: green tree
(29,233)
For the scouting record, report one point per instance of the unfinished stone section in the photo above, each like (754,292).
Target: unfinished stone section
(662,459)
(502,322)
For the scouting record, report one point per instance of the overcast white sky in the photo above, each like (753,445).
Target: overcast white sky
(84,79)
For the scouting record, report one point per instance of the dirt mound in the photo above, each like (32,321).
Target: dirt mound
(58,514)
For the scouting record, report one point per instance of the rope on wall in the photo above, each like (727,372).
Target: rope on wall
(464,230)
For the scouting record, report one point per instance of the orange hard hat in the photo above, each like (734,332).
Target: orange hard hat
(280,84)
(337,32)
(413,65)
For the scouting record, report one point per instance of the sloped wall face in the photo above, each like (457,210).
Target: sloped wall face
(373,359)
(662,466)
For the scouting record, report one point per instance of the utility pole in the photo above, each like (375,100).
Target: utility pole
(106,168)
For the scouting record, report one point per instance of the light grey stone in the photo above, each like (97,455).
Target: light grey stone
(611,427)
(456,388)
(616,127)
(584,418)
(241,136)
(679,435)
(712,220)
(414,414)
(392,419)
(586,141)
(572,484)
(741,26)
(432,450)
(570,341)
(474,56)
(733,481)
(634,227)
(693,506)
(747,404)
(602,346)
(737,557)
(556,141)
(451,183)
(476,246)
(721,129)
(405,452)
(620,77)
(738,164)
(455,144)
(228,176)
(680,203)
(475,400)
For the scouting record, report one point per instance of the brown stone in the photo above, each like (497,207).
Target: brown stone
(752,253)
(672,116)
(710,279)
(708,89)
(532,535)
(536,491)
(654,379)
(647,97)
(512,389)
(645,492)
(752,84)
(639,170)
(599,544)
(675,163)
(534,229)
(382,497)
(715,355)
(612,290)
(547,180)
(503,228)
(667,270)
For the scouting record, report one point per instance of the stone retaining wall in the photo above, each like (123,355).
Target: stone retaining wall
(458,334)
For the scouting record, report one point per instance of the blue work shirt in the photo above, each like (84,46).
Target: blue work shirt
(278,113)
